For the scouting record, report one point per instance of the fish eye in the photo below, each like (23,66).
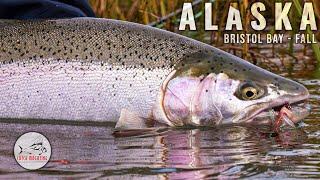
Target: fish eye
(249,91)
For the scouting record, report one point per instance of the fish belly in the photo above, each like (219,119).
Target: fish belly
(75,91)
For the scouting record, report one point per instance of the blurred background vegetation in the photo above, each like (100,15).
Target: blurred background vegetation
(165,14)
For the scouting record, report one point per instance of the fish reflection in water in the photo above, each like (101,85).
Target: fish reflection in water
(92,151)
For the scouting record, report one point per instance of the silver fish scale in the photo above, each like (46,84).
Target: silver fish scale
(84,69)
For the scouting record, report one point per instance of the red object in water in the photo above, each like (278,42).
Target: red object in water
(62,161)
(285,111)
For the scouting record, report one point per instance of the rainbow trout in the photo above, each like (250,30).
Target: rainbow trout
(87,69)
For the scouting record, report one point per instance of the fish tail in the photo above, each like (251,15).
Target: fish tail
(20,149)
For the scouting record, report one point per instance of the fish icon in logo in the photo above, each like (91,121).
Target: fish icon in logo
(37,148)
(32,150)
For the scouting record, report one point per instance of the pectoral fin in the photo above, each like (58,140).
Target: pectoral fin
(131,120)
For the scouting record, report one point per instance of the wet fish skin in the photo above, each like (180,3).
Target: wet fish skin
(84,69)
(89,69)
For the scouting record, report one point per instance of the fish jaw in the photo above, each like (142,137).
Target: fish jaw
(298,112)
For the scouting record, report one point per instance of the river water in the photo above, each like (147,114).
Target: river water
(91,151)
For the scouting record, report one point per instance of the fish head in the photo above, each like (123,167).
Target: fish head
(210,89)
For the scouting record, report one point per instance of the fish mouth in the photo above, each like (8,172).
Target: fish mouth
(298,110)
(267,113)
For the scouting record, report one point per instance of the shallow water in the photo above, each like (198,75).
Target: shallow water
(91,151)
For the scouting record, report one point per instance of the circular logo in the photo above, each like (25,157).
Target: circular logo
(32,150)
